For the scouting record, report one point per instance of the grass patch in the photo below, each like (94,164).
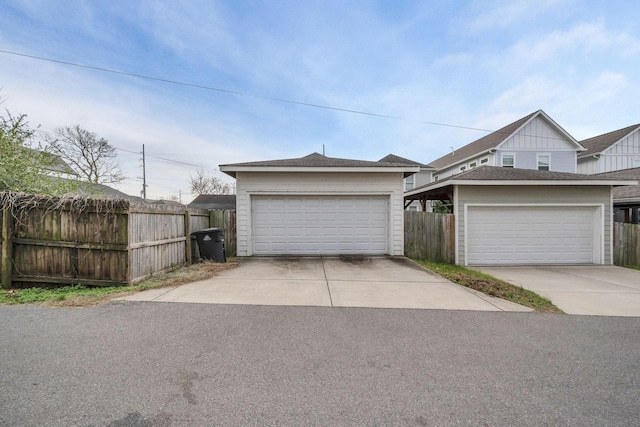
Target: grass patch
(82,296)
(491,286)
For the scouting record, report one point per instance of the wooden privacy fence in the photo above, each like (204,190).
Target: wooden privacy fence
(48,242)
(626,244)
(429,236)
(226,219)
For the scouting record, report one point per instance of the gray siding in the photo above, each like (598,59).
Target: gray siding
(619,156)
(561,161)
(589,165)
(600,195)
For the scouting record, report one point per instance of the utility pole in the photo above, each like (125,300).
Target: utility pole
(144,175)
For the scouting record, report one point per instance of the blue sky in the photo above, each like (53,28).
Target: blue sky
(477,64)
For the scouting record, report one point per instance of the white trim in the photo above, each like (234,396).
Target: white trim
(381,169)
(317,193)
(598,240)
(456,226)
(508,153)
(498,182)
(611,227)
(538,155)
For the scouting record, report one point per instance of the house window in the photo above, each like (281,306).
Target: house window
(544,162)
(413,208)
(636,163)
(508,160)
(483,161)
(408,183)
(472,165)
(435,178)
(463,168)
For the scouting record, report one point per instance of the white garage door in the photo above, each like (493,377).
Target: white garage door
(320,225)
(533,235)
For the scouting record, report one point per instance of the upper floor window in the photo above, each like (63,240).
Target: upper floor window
(636,163)
(473,165)
(408,183)
(463,168)
(544,160)
(508,160)
(483,161)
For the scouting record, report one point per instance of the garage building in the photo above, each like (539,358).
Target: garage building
(507,216)
(318,205)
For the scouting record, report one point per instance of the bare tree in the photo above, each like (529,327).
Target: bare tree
(203,184)
(93,159)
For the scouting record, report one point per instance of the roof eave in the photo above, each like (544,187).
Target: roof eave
(466,159)
(232,170)
(530,182)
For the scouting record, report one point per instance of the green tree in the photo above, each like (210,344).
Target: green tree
(24,168)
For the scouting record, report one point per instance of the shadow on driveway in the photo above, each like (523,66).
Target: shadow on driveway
(347,281)
(601,290)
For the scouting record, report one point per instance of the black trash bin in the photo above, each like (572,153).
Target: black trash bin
(211,244)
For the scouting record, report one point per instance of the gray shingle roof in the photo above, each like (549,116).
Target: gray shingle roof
(212,201)
(600,143)
(483,144)
(392,158)
(628,191)
(317,160)
(496,173)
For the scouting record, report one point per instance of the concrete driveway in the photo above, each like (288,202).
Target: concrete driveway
(592,290)
(385,282)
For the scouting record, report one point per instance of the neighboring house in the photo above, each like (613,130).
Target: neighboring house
(532,142)
(317,205)
(611,151)
(165,202)
(214,202)
(626,200)
(510,216)
(424,176)
(106,192)
(55,165)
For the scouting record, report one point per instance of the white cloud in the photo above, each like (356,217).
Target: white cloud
(586,37)
(504,13)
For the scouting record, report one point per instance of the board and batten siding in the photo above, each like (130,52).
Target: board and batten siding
(536,137)
(320,183)
(543,195)
(619,156)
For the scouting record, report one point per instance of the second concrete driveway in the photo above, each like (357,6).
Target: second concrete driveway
(385,282)
(603,290)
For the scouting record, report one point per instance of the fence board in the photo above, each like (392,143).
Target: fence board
(95,242)
(226,219)
(626,244)
(429,236)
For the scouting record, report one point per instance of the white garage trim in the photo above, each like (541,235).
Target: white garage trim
(593,227)
(319,224)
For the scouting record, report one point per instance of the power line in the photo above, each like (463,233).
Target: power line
(234,92)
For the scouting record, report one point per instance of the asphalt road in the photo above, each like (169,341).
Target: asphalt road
(169,364)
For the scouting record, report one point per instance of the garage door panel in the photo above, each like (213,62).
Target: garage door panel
(531,235)
(312,225)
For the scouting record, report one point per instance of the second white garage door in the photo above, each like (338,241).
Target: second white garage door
(320,225)
(498,235)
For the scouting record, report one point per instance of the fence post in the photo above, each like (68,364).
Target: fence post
(7,246)
(187,233)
